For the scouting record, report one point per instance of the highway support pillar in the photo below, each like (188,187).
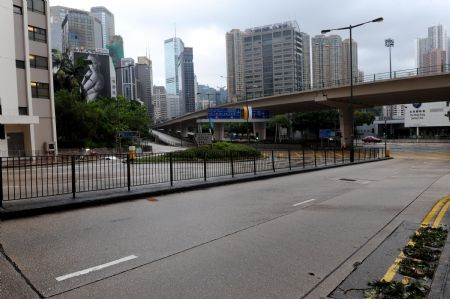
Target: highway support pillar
(219,131)
(346,126)
(260,130)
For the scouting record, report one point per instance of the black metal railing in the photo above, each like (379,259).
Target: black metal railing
(44,176)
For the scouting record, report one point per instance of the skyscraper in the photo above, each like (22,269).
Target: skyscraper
(235,65)
(436,42)
(159,101)
(306,60)
(327,60)
(144,80)
(107,20)
(57,16)
(273,59)
(126,79)
(173,47)
(115,48)
(81,30)
(346,61)
(187,91)
(27,103)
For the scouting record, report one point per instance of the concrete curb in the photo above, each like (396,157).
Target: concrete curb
(32,207)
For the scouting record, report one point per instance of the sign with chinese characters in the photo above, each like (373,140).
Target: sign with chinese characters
(427,114)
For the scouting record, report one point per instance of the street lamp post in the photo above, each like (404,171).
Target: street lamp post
(389,42)
(350,27)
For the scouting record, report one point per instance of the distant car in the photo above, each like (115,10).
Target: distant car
(371,139)
(110,158)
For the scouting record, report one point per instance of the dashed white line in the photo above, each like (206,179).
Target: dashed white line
(96,268)
(303,202)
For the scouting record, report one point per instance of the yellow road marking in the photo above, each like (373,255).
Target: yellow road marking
(441,215)
(392,270)
(433,211)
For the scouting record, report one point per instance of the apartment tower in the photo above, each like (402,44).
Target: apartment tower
(27,114)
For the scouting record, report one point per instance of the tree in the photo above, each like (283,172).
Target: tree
(67,74)
(361,118)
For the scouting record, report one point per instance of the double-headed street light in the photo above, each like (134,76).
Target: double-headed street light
(350,27)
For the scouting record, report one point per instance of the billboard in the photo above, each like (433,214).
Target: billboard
(97,76)
(427,114)
(236,113)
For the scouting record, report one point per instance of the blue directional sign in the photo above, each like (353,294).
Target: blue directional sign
(224,113)
(260,114)
(325,133)
(127,134)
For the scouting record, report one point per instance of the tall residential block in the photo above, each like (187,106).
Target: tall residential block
(159,101)
(126,79)
(273,60)
(27,114)
(81,30)
(347,68)
(187,76)
(107,20)
(235,65)
(57,16)
(431,49)
(327,61)
(144,80)
(306,60)
(173,47)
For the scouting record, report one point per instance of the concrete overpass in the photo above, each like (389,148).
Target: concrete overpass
(412,88)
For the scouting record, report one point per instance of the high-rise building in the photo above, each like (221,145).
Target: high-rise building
(144,80)
(273,60)
(327,60)
(187,76)
(173,103)
(306,60)
(235,65)
(57,16)
(346,61)
(27,104)
(81,30)
(126,79)
(115,48)
(159,101)
(173,47)
(436,40)
(107,20)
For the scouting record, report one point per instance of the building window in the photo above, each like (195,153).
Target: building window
(20,64)
(36,6)
(17,9)
(38,62)
(23,110)
(37,34)
(40,90)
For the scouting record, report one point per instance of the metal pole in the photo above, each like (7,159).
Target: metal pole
(171,169)
(1,182)
(204,166)
(352,153)
(273,162)
(232,166)
(390,63)
(128,173)
(73,176)
(289,159)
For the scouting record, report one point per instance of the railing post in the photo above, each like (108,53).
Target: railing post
(1,182)
(73,176)
(315,158)
(289,159)
(325,153)
(171,168)
(303,155)
(334,155)
(204,166)
(232,165)
(128,173)
(273,162)
(342,155)
(254,163)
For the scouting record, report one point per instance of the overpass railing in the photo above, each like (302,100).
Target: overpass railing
(405,73)
(43,176)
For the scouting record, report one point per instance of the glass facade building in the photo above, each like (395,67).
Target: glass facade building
(173,47)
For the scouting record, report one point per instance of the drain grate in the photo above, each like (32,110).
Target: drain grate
(347,180)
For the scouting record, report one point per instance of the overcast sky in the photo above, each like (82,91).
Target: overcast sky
(202,24)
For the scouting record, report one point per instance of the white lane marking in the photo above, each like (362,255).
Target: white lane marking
(303,202)
(96,268)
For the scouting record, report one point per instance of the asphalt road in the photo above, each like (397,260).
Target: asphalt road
(286,237)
